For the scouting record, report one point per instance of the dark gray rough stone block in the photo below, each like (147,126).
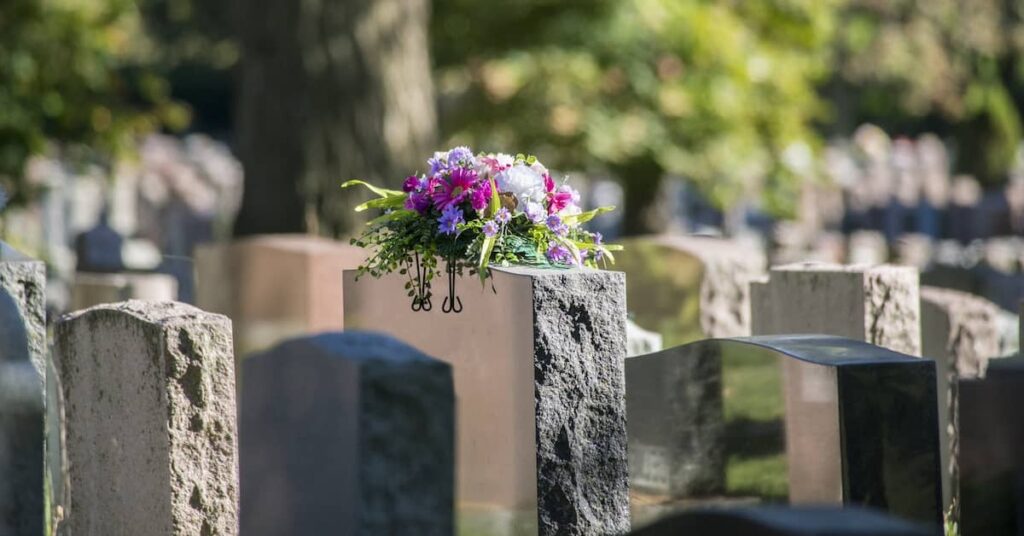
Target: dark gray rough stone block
(579,376)
(347,433)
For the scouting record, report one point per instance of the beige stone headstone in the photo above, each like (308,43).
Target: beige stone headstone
(960,332)
(150,409)
(274,287)
(875,304)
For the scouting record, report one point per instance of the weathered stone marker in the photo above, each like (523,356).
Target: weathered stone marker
(540,388)
(347,433)
(960,332)
(23,341)
(875,304)
(150,407)
(860,421)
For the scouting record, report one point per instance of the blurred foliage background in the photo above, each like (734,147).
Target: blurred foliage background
(736,96)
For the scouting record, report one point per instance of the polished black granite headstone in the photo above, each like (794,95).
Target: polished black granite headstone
(860,420)
(346,433)
(780,521)
(992,450)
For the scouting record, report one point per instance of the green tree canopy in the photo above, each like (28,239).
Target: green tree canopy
(71,72)
(723,93)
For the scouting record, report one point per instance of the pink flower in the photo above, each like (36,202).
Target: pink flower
(549,183)
(454,190)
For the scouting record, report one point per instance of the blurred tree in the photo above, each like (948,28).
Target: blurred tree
(328,91)
(74,72)
(944,65)
(720,92)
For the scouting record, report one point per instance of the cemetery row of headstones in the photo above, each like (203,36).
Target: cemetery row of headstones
(527,446)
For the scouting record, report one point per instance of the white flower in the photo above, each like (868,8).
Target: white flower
(524,183)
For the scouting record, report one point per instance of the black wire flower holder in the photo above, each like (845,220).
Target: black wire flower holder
(421,294)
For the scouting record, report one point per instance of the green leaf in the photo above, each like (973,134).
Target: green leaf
(495,204)
(394,215)
(396,201)
(382,192)
(485,255)
(584,217)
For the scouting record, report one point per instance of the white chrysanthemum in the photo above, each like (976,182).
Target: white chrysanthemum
(524,183)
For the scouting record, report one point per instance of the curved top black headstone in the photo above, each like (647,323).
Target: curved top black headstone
(784,521)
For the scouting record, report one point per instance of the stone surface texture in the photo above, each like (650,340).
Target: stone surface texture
(25,280)
(150,407)
(378,422)
(876,304)
(960,332)
(580,348)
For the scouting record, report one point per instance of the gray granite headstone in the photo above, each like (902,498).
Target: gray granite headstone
(150,405)
(24,280)
(347,433)
(21,428)
(537,363)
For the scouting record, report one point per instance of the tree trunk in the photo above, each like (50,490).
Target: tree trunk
(643,213)
(330,90)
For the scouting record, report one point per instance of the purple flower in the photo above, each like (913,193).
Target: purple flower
(453,191)
(558,253)
(438,163)
(503,216)
(481,195)
(598,238)
(420,202)
(411,183)
(535,212)
(450,217)
(556,225)
(461,155)
(597,254)
(490,228)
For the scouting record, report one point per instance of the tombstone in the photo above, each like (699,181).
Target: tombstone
(537,364)
(875,304)
(860,422)
(959,331)
(992,450)
(89,289)
(640,341)
(22,288)
(867,247)
(782,521)
(150,411)
(376,421)
(21,427)
(274,287)
(99,249)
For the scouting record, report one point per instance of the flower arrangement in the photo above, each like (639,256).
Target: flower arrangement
(474,210)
